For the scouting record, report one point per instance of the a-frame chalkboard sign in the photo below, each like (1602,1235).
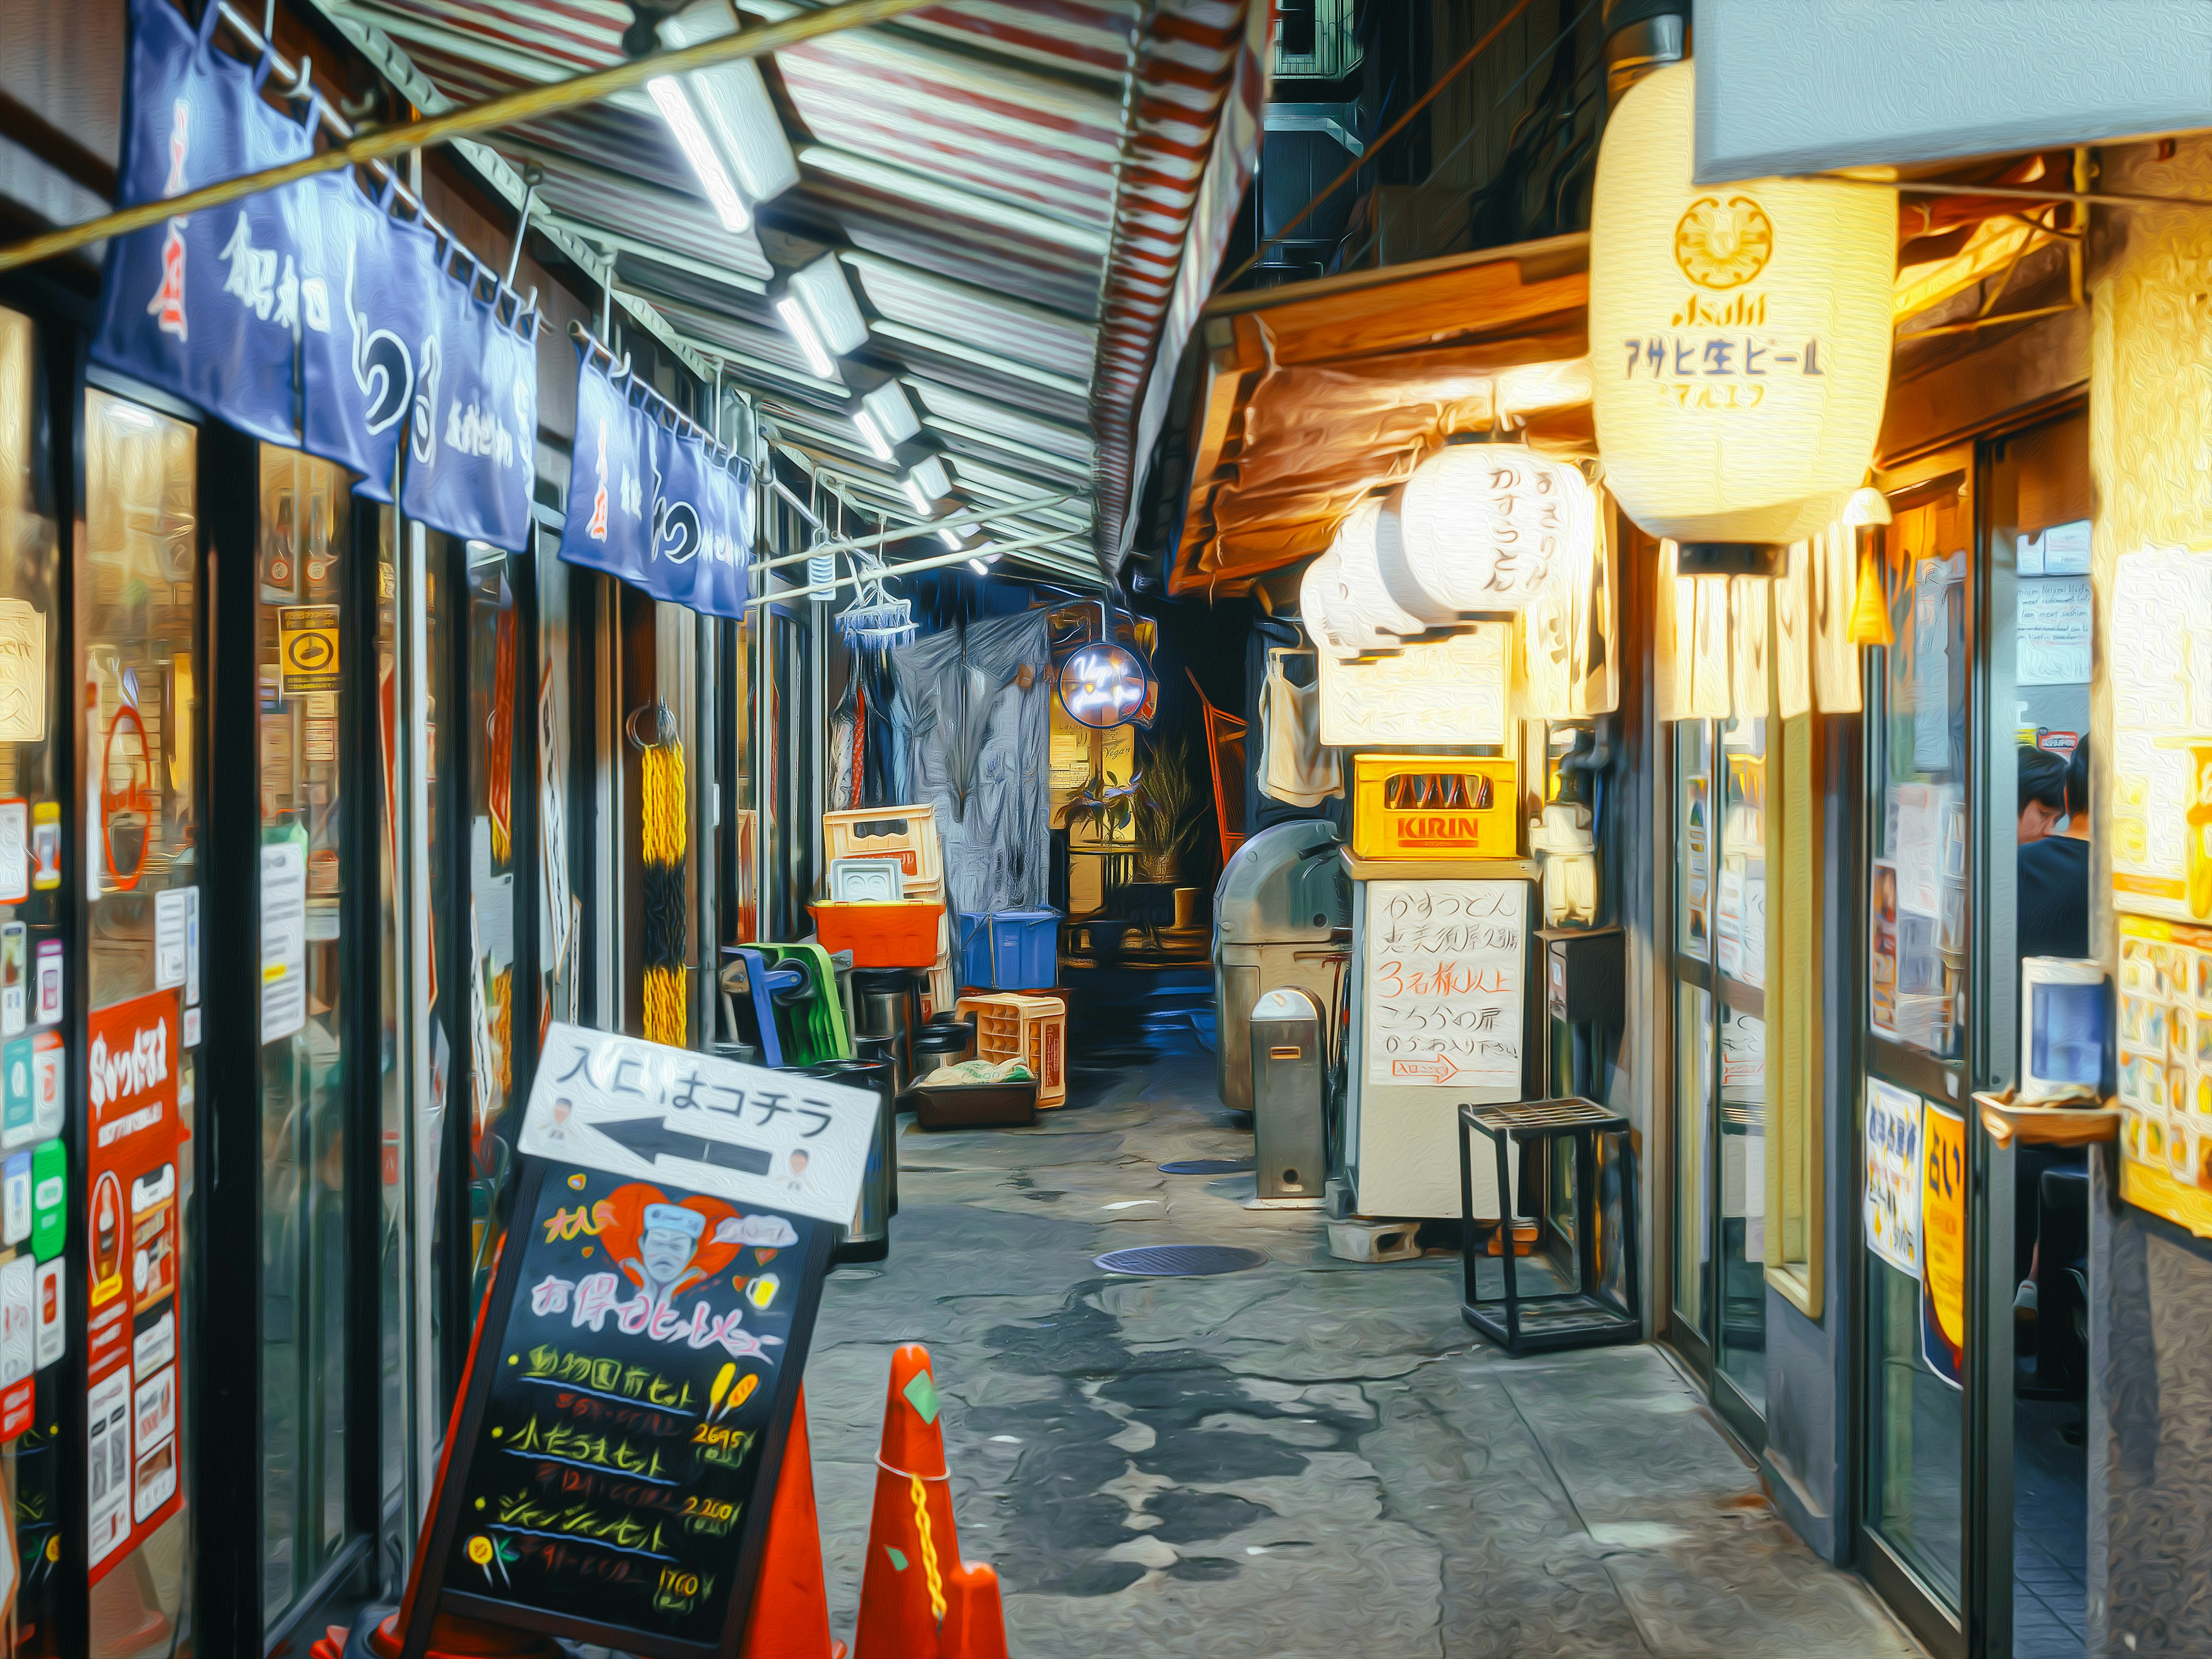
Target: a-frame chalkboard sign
(624,1413)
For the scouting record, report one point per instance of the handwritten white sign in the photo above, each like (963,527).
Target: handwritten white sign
(2051,631)
(1450,690)
(780,1140)
(2159,645)
(1446,975)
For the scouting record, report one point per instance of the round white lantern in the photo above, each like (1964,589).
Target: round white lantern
(1345,595)
(1485,523)
(1739,338)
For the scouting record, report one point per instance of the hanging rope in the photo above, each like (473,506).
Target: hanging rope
(664,842)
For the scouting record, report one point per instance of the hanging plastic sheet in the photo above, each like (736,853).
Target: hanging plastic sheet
(361,304)
(203,307)
(979,737)
(660,509)
(472,445)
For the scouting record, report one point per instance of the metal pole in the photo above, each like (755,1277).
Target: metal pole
(908,567)
(511,109)
(421,1117)
(960,521)
(531,176)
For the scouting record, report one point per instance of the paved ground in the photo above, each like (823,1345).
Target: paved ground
(1309,1459)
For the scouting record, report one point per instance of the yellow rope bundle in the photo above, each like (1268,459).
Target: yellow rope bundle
(660,790)
(665,1016)
(664,840)
(929,1568)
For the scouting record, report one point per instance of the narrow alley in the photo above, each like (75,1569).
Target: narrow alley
(1314,1458)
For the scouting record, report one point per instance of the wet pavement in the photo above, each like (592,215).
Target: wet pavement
(1311,1458)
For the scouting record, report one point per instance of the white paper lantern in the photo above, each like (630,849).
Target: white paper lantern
(1485,524)
(1344,597)
(1739,336)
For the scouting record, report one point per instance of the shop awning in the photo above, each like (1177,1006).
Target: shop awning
(1311,396)
(1009,191)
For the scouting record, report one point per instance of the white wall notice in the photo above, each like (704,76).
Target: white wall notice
(284,940)
(1446,975)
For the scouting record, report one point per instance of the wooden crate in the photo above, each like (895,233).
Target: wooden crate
(1013,1024)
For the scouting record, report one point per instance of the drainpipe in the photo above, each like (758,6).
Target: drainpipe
(1640,36)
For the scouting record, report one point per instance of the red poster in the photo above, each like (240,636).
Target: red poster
(132,1377)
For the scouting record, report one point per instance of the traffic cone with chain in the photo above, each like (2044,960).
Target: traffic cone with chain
(911,1543)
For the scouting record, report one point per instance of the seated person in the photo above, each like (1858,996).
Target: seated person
(2052,901)
(2042,794)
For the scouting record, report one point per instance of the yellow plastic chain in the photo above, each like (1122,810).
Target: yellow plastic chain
(660,778)
(665,1016)
(928,1547)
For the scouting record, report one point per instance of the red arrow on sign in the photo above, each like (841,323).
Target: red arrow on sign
(1437,1068)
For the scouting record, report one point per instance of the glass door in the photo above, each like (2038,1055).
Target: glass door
(139,599)
(1920,969)
(310,980)
(1718,1293)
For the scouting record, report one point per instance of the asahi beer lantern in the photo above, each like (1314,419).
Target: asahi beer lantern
(1739,338)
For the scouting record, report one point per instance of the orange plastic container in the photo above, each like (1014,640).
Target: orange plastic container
(901,935)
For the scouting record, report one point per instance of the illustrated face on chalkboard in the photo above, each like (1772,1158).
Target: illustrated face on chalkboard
(664,1248)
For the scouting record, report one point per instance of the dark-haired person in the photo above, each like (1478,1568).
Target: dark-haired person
(2052,900)
(2042,793)
(2051,907)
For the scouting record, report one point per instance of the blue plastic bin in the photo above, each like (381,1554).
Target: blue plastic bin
(1024,950)
(973,956)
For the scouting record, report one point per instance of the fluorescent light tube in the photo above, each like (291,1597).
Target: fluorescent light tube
(802,329)
(949,539)
(979,567)
(893,415)
(675,106)
(829,304)
(866,425)
(913,493)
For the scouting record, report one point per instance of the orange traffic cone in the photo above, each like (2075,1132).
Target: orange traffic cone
(974,1622)
(790,1617)
(911,1543)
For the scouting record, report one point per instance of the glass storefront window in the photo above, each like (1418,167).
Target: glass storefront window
(301,566)
(493,635)
(1693,839)
(1918,927)
(139,607)
(30,912)
(1693,1053)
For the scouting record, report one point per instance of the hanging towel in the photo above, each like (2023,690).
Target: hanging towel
(1294,767)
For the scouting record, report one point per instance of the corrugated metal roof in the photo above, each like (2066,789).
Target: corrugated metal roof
(1009,187)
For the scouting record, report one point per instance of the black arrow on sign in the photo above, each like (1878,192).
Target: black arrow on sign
(650,1138)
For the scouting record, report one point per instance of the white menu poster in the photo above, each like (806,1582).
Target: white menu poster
(1893,1175)
(1446,975)
(2160,647)
(284,940)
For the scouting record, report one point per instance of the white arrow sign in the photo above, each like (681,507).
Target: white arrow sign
(778,1140)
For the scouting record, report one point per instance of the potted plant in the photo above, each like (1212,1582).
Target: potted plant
(1165,816)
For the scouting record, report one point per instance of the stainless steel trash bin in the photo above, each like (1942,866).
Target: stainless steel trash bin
(867,1237)
(1291,1152)
(1282,915)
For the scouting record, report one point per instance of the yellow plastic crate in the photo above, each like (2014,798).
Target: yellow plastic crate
(1012,1024)
(1434,806)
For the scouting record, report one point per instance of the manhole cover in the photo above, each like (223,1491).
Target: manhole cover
(1181,1261)
(1208,1166)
